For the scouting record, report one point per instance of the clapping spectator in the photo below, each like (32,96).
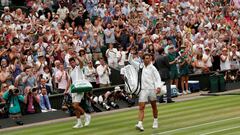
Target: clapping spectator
(90,73)
(111,55)
(103,72)
(62,78)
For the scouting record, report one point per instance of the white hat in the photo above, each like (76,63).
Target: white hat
(5,8)
(11,87)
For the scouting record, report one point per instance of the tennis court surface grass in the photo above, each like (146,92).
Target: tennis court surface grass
(219,115)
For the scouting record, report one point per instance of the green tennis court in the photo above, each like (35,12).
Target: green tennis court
(217,115)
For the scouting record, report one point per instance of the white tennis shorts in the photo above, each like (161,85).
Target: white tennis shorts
(77,97)
(145,94)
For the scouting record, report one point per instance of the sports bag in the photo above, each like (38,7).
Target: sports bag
(132,79)
(81,86)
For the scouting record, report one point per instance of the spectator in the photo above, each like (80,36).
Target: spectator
(13,99)
(173,61)
(19,82)
(97,63)
(103,72)
(184,69)
(53,31)
(48,77)
(225,63)
(62,78)
(44,100)
(96,46)
(207,58)
(91,73)
(4,88)
(43,84)
(199,65)
(30,79)
(109,34)
(62,11)
(7,16)
(234,56)
(6,76)
(121,56)
(111,55)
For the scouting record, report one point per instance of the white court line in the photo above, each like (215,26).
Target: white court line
(178,129)
(220,130)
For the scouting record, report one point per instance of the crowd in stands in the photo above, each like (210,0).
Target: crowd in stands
(198,36)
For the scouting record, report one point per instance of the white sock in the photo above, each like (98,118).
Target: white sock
(140,122)
(155,119)
(79,121)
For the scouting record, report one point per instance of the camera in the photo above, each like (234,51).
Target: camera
(32,90)
(13,91)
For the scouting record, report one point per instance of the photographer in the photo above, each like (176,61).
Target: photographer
(13,100)
(32,100)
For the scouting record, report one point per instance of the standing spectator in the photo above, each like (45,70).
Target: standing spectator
(30,79)
(234,56)
(109,35)
(126,8)
(121,56)
(48,77)
(225,63)
(4,88)
(62,11)
(7,16)
(103,72)
(5,2)
(62,78)
(90,73)
(41,63)
(207,58)
(6,76)
(111,55)
(173,61)
(184,69)
(97,63)
(19,82)
(86,46)
(96,46)
(41,46)
(199,64)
